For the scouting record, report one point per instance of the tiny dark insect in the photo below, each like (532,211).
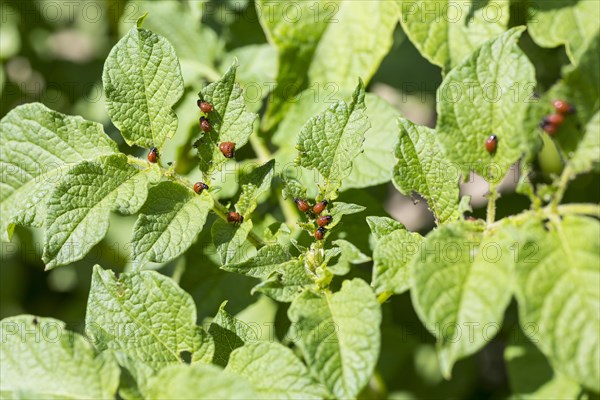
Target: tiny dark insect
(235,217)
(319,207)
(563,107)
(302,205)
(199,187)
(35,321)
(324,220)
(205,106)
(491,143)
(228,149)
(555,119)
(153,155)
(320,233)
(205,125)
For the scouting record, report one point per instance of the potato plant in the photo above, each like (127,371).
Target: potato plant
(267,182)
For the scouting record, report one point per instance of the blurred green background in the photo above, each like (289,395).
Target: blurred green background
(53,52)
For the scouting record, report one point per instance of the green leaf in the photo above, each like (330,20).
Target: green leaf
(257,71)
(371,167)
(313,48)
(38,146)
(168,223)
(274,372)
(530,375)
(41,359)
(267,260)
(374,165)
(290,279)
(580,87)
(147,317)
(296,41)
(358,36)
(422,168)
(330,141)
(79,207)
(564,22)
(142,81)
(582,82)
(558,292)
(587,155)
(228,334)
(461,287)
(293,189)
(253,186)
(339,335)
(339,209)
(134,376)
(382,226)
(199,381)
(230,121)
(349,254)
(487,95)
(197,46)
(446,32)
(391,259)
(229,240)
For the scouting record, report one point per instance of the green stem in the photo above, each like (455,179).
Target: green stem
(178,270)
(491,206)
(260,148)
(219,209)
(579,209)
(383,297)
(565,177)
(550,212)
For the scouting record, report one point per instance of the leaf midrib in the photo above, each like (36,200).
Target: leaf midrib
(133,318)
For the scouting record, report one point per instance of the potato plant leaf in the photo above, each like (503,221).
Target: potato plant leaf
(168,222)
(38,146)
(461,287)
(228,333)
(229,239)
(580,87)
(487,94)
(349,255)
(558,291)
(382,226)
(339,335)
(230,121)
(253,185)
(587,155)
(289,280)
(79,207)
(330,141)
(146,316)
(267,260)
(41,359)
(142,81)
(568,23)
(198,381)
(423,168)
(391,260)
(313,48)
(446,32)
(274,372)
(531,376)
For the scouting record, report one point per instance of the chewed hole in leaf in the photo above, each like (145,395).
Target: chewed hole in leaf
(185,356)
